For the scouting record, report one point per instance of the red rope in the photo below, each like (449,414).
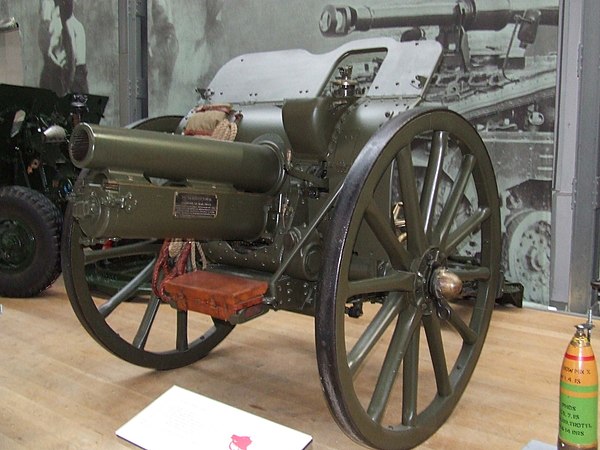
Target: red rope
(168,271)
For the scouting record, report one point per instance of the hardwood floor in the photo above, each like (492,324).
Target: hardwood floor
(61,390)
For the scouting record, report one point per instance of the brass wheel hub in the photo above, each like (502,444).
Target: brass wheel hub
(435,284)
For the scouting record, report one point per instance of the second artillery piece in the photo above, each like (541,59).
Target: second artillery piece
(321,205)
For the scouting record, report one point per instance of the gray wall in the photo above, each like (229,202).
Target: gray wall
(99,21)
(188,40)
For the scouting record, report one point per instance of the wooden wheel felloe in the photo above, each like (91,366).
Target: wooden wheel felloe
(398,342)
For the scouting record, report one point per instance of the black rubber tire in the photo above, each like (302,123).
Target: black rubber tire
(35,215)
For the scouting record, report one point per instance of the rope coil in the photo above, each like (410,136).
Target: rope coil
(176,257)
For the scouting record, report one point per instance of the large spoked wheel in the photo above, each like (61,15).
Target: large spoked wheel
(397,341)
(133,323)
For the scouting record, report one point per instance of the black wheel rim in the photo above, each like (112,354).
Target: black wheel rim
(133,323)
(17,246)
(428,345)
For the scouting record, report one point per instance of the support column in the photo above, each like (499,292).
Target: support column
(133,60)
(576,193)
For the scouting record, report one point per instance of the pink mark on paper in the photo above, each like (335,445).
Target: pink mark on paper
(239,442)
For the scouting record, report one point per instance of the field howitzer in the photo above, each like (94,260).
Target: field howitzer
(466,14)
(341,197)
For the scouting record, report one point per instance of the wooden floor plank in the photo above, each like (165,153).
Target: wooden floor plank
(60,389)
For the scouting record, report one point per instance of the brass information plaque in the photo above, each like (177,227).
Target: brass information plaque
(194,206)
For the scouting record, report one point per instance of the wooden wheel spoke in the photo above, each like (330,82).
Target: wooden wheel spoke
(450,209)
(397,281)
(408,322)
(141,337)
(431,183)
(410,381)
(182,331)
(472,224)
(407,185)
(435,342)
(383,318)
(128,290)
(381,226)
(468,335)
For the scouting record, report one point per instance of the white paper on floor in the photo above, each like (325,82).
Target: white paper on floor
(182,419)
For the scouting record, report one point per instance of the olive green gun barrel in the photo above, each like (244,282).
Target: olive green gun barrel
(256,168)
(217,190)
(468,14)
